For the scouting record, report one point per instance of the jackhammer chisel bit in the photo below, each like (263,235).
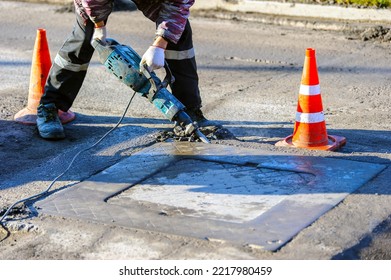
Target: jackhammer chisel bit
(124,63)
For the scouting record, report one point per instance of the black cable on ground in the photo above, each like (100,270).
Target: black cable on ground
(66,170)
(4,230)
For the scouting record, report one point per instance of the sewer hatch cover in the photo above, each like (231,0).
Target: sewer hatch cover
(220,191)
(225,193)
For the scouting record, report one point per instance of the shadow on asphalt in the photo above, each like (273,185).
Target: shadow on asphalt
(373,246)
(21,148)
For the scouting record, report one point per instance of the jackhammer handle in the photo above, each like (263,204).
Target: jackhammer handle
(103,48)
(109,42)
(145,71)
(168,79)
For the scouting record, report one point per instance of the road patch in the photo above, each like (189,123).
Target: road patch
(243,196)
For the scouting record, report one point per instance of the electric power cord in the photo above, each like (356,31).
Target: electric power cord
(69,166)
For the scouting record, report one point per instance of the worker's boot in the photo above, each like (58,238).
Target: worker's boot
(48,122)
(197,116)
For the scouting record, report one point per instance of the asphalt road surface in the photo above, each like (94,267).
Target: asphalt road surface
(249,78)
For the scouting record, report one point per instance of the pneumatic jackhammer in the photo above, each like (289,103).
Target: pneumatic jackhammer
(124,63)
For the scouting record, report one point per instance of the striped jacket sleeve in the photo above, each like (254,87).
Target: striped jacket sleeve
(170,16)
(96,10)
(172,19)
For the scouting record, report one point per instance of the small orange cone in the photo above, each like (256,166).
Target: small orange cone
(41,64)
(310,126)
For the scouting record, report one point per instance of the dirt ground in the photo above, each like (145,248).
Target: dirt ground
(360,111)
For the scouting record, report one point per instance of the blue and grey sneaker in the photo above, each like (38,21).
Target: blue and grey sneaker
(48,122)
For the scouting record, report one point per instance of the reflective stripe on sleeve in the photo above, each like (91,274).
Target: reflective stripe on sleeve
(63,63)
(179,55)
(309,117)
(309,90)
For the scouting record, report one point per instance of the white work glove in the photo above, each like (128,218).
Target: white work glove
(99,33)
(153,57)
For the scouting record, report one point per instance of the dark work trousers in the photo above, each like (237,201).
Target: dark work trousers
(180,58)
(70,65)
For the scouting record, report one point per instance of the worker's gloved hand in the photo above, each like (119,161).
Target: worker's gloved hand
(153,57)
(99,33)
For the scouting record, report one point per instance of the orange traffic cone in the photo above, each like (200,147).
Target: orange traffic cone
(310,126)
(41,64)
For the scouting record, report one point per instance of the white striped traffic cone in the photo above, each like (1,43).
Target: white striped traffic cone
(310,126)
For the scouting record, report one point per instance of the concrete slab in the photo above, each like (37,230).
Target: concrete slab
(214,192)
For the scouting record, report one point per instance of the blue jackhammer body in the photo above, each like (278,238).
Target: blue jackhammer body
(124,63)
